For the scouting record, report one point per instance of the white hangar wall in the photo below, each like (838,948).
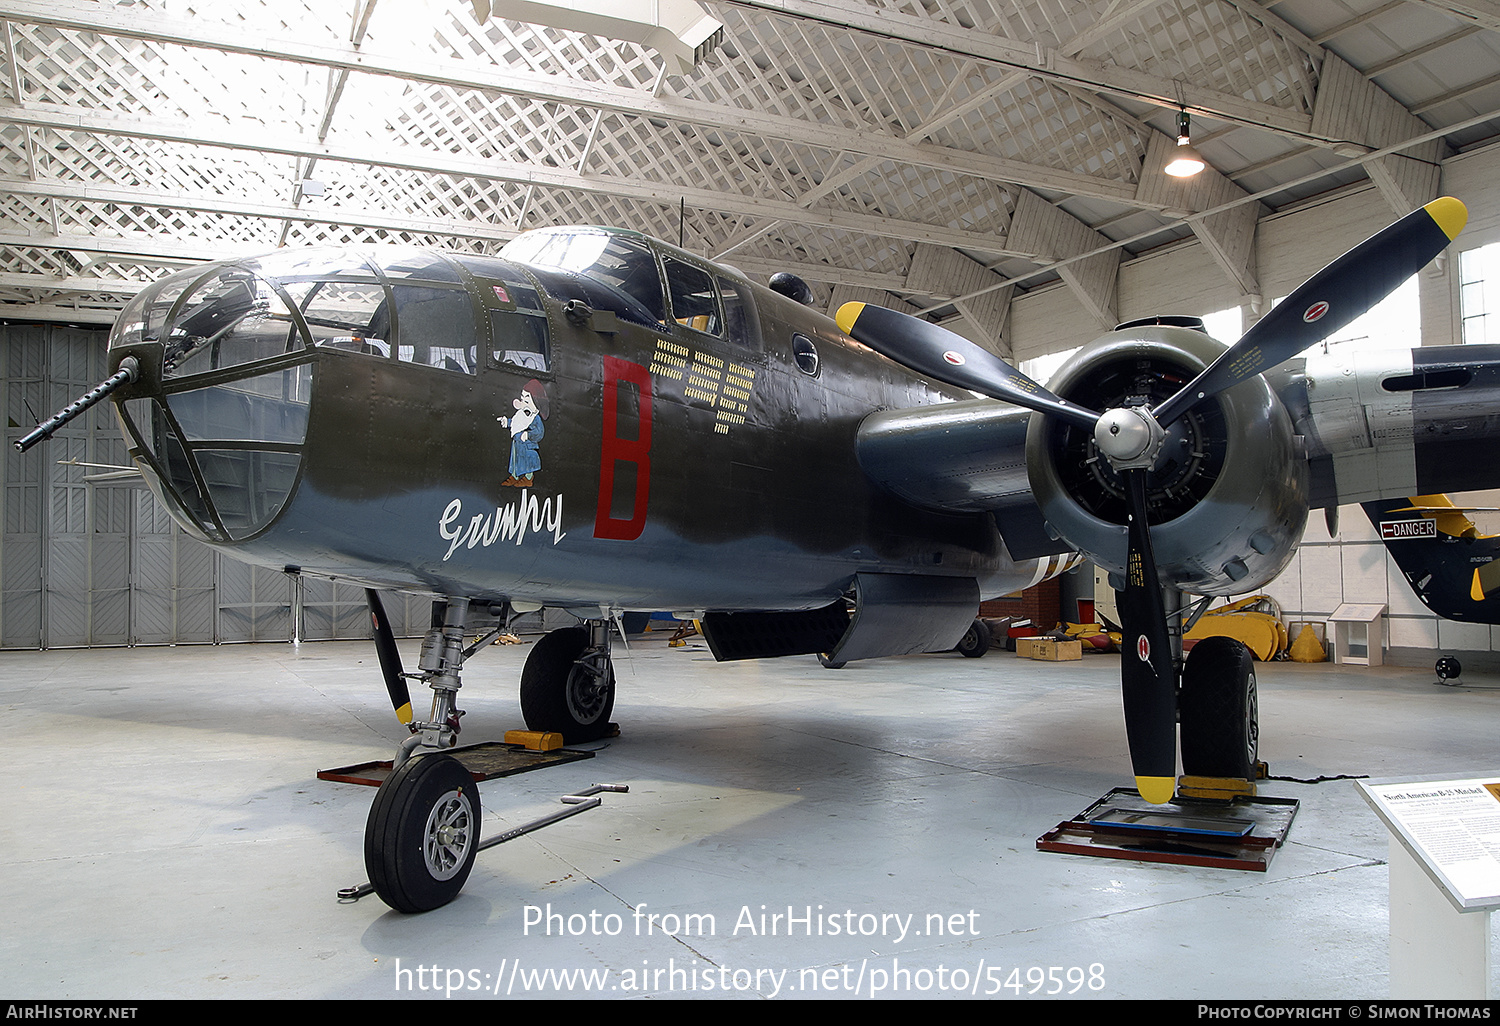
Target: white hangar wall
(1182,279)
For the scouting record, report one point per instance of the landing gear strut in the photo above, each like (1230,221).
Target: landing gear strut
(423,829)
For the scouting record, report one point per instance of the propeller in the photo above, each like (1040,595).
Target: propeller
(1148,677)
(933,350)
(1328,300)
(390,658)
(1131,437)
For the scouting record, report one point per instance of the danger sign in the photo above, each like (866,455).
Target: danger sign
(1397,530)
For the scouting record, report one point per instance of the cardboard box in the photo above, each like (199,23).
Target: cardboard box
(1049,649)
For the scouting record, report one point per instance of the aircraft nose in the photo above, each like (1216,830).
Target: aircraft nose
(219,417)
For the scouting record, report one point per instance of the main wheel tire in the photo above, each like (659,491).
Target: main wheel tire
(423,833)
(976,640)
(1219,711)
(559,694)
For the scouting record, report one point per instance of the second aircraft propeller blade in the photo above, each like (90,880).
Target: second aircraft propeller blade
(1148,675)
(390,658)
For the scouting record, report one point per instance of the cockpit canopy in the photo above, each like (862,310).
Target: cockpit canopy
(611,269)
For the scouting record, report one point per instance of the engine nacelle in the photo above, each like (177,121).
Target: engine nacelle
(1228,496)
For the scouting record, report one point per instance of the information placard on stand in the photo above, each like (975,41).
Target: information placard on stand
(1445,881)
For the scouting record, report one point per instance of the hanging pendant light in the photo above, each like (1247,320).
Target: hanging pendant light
(1185,160)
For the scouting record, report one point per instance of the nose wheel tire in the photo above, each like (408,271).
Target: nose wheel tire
(566,688)
(423,833)
(1219,711)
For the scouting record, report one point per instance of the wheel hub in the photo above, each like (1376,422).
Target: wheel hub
(587,693)
(446,841)
(1252,728)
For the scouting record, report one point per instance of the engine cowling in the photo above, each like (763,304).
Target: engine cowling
(1228,495)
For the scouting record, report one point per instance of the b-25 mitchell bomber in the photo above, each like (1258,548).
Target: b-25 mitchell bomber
(600,422)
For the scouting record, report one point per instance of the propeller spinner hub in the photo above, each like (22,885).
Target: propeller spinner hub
(1130,437)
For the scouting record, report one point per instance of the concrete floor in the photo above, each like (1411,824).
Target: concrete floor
(162,833)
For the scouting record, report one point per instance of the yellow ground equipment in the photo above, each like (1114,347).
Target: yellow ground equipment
(1255,621)
(1307,648)
(1094,636)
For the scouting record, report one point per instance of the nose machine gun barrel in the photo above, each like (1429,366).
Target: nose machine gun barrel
(128,372)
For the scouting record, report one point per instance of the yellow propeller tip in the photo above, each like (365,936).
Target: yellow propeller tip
(404,713)
(1156,790)
(1476,590)
(1450,214)
(847,315)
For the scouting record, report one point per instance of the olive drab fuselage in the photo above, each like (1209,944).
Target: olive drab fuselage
(643,431)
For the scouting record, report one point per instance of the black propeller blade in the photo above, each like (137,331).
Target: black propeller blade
(390,659)
(937,352)
(1148,674)
(1328,300)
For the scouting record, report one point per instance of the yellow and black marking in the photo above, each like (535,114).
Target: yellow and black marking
(734,397)
(670,360)
(1449,214)
(1452,566)
(723,386)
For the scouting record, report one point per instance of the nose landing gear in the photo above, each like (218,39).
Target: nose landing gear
(423,829)
(423,833)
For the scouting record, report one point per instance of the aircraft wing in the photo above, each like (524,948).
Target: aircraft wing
(964,457)
(1374,425)
(1391,424)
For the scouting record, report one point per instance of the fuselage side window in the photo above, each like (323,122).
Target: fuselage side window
(695,304)
(519,338)
(435,327)
(740,324)
(517,319)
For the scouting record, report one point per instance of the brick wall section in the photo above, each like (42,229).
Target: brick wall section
(1042,603)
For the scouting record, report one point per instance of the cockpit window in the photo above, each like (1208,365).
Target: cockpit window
(740,323)
(435,327)
(520,338)
(352,316)
(695,304)
(625,266)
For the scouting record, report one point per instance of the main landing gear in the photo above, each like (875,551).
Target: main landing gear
(568,684)
(423,829)
(1212,696)
(1218,711)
